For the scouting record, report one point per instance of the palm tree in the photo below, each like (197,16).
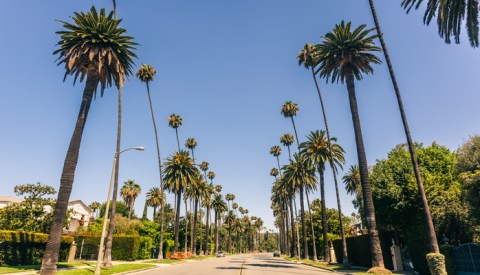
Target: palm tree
(450,15)
(211,175)
(175,121)
(276,151)
(129,192)
(197,190)
(287,140)
(298,174)
(218,205)
(229,219)
(317,148)
(156,197)
(191,143)
(79,51)
(95,205)
(206,200)
(289,110)
(204,167)
(344,56)
(178,171)
(353,187)
(274,172)
(229,197)
(146,74)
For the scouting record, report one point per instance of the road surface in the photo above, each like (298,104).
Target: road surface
(256,264)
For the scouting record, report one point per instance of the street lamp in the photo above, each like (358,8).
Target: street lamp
(101,249)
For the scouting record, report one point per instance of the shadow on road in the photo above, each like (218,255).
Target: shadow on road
(268,265)
(229,267)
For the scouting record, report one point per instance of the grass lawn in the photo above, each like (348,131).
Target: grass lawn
(164,261)
(115,269)
(23,268)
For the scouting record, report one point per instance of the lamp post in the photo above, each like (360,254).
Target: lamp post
(101,248)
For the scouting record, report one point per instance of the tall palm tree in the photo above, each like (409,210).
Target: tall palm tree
(178,172)
(95,205)
(309,58)
(146,74)
(450,15)
(276,151)
(345,55)
(229,198)
(219,206)
(274,172)
(191,144)
(319,150)
(156,197)
(79,51)
(196,191)
(206,200)
(175,121)
(210,175)
(129,192)
(298,174)
(230,219)
(353,186)
(287,140)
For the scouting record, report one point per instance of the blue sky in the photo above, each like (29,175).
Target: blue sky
(226,67)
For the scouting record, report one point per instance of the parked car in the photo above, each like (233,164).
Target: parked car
(220,254)
(276,254)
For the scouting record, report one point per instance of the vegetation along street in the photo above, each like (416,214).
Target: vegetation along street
(240,137)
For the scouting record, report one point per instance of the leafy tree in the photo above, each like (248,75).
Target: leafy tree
(394,190)
(468,169)
(34,213)
(94,48)
(120,206)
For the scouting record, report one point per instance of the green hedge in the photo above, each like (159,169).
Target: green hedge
(124,248)
(358,249)
(26,248)
(145,250)
(436,264)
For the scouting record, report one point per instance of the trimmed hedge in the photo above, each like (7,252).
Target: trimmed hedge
(27,248)
(124,248)
(358,249)
(436,264)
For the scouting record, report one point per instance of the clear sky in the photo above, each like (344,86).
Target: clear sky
(226,67)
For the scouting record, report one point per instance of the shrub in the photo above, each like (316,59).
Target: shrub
(27,248)
(146,245)
(436,264)
(124,248)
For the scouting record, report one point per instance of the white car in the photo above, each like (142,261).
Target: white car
(220,254)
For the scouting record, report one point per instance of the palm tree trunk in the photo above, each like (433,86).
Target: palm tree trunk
(229,237)
(186,227)
(50,258)
(216,232)
(107,258)
(207,229)
(177,221)
(313,230)
(377,257)
(326,247)
(162,214)
(332,166)
(178,141)
(279,169)
(130,208)
(287,235)
(145,209)
(293,247)
(154,212)
(304,228)
(194,243)
(114,9)
(411,148)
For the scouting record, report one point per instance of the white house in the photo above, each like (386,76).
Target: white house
(80,213)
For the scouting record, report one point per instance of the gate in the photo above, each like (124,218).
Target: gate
(467,259)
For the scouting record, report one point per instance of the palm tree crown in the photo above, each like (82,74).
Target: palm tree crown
(289,109)
(276,151)
(352,180)
(287,139)
(211,175)
(344,51)
(307,56)
(204,166)
(317,150)
(191,143)
(146,73)
(95,43)
(299,172)
(178,171)
(156,197)
(274,172)
(450,16)
(174,121)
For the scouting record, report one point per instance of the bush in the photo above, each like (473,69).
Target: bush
(146,245)
(27,248)
(124,248)
(436,264)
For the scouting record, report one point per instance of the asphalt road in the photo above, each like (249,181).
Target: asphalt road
(257,264)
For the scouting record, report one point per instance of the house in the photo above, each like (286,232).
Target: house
(80,214)
(7,200)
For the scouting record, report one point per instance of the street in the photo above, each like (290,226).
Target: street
(258,264)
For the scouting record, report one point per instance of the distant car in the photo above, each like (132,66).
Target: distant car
(220,254)
(276,254)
